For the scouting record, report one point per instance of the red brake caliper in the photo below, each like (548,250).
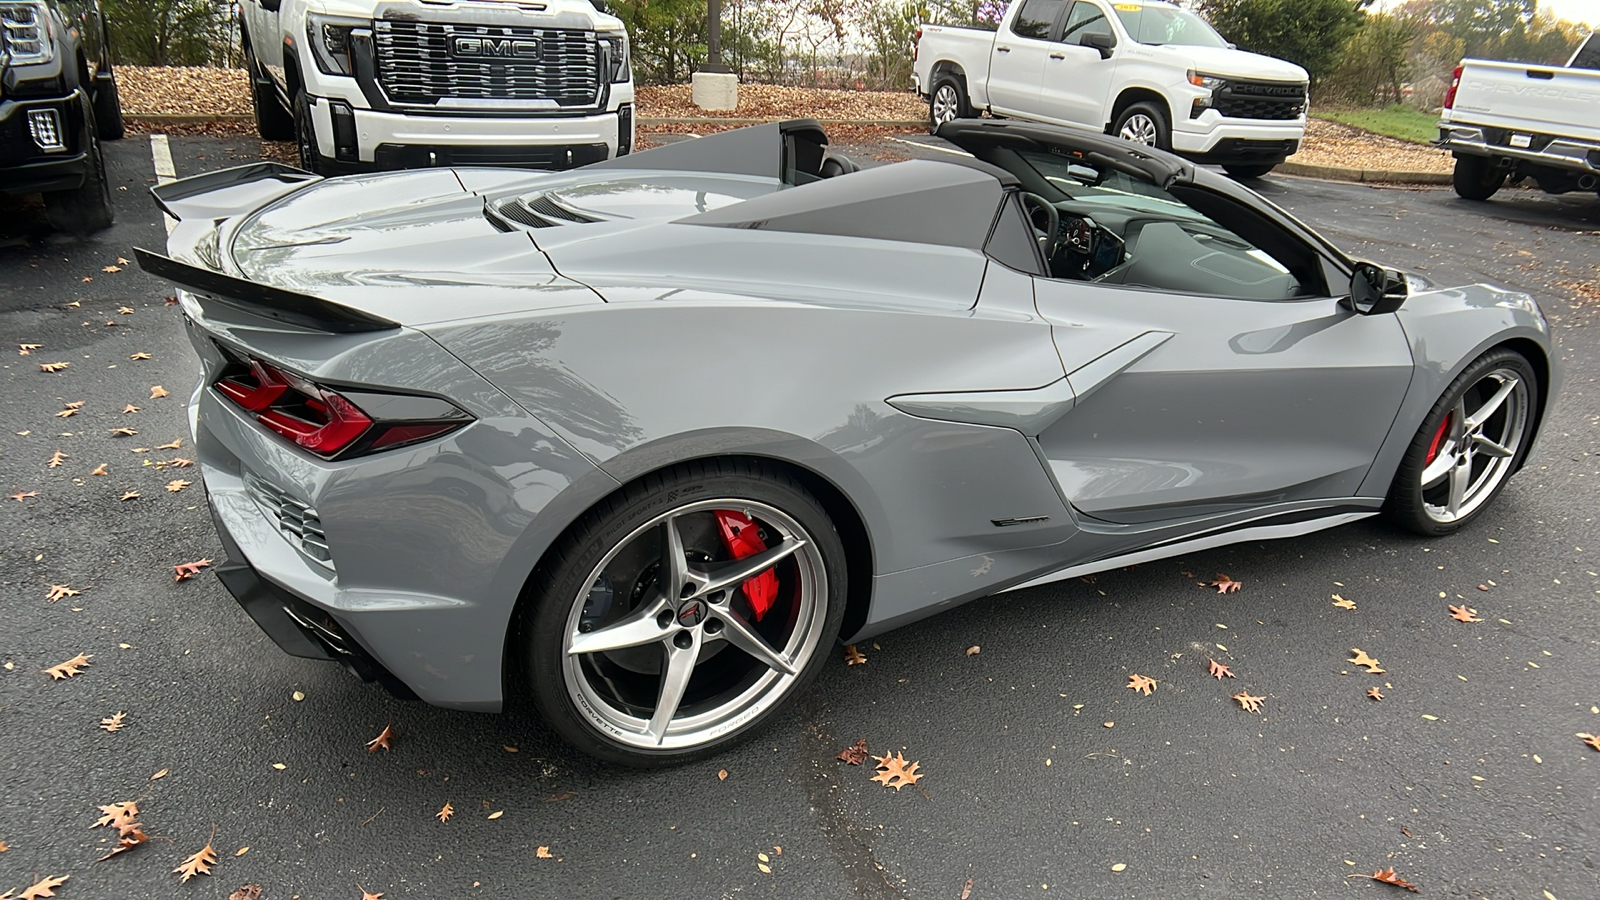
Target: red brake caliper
(743,539)
(1438,438)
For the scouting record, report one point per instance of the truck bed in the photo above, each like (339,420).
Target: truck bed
(1529,99)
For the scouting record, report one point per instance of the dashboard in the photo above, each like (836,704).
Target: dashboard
(1085,249)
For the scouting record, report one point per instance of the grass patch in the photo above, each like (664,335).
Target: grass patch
(1395,121)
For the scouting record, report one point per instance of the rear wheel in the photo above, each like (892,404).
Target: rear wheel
(1467,448)
(685,613)
(1477,177)
(84,209)
(947,103)
(1144,123)
(1243,172)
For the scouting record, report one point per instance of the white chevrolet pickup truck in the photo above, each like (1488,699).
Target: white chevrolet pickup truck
(1509,121)
(364,85)
(1146,70)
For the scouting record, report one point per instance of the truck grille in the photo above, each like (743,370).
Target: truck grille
(298,522)
(1261,100)
(416,65)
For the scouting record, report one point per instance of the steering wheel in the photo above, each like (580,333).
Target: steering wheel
(1047,239)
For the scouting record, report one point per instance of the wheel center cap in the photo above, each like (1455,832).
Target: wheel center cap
(691,613)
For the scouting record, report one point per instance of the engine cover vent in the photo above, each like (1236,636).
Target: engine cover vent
(535,211)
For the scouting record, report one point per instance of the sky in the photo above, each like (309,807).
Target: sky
(1587,11)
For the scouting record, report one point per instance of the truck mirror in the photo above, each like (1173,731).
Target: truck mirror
(1100,41)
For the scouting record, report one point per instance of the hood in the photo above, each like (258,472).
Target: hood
(1239,64)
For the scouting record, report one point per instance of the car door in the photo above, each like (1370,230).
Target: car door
(1077,79)
(1016,67)
(1250,383)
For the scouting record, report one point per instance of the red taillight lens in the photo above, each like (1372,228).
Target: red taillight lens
(325,424)
(254,389)
(915,40)
(1455,84)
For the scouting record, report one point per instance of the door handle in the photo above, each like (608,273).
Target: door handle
(1058,56)
(1002,49)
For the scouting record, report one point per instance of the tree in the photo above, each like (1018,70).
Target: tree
(1376,62)
(1310,33)
(167,32)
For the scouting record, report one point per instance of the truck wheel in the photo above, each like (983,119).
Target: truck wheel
(948,102)
(305,134)
(1242,173)
(1145,123)
(87,208)
(1477,177)
(108,107)
(273,122)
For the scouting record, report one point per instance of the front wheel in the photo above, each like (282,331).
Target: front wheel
(1477,177)
(684,613)
(305,134)
(85,209)
(1145,123)
(1244,173)
(1468,446)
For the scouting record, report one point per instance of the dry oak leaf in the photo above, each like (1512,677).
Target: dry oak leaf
(170,301)
(123,432)
(1359,657)
(125,310)
(1374,693)
(854,754)
(198,864)
(131,495)
(445,812)
(130,408)
(73,305)
(180,462)
(114,723)
(1224,584)
(100,470)
(895,772)
(188,570)
(71,667)
(1590,740)
(66,413)
(46,887)
(171,445)
(382,740)
(23,495)
(157,392)
(26,349)
(1463,614)
(140,355)
(4,846)
(1342,603)
(76,404)
(1218,670)
(56,459)
(1387,876)
(246,892)
(852,656)
(544,852)
(57,591)
(117,815)
(109,269)
(53,367)
(1251,704)
(176,485)
(368,895)
(1144,684)
(131,838)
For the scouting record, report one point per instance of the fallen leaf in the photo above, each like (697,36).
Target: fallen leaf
(56,459)
(854,754)
(66,413)
(279,766)
(297,696)
(966,890)
(131,495)
(157,392)
(1251,704)
(73,305)
(160,774)
(445,812)
(45,887)
(4,846)
(114,723)
(1225,585)
(1119,867)
(852,656)
(117,815)
(1374,693)
(1142,683)
(382,740)
(53,367)
(123,432)
(893,771)
(974,650)
(544,852)
(173,445)
(246,892)
(57,591)
(1218,670)
(1359,657)
(21,496)
(129,839)
(198,864)
(368,895)
(71,667)
(176,485)
(140,355)
(109,269)
(100,470)
(497,814)
(27,349)
(1592,740)
(1463,614)
(188,570)
(1387,876)
(722,774)
(180,462)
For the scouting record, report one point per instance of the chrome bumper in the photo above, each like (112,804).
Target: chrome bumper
(1560,153)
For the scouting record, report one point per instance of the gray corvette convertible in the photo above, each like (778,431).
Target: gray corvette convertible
(652,435)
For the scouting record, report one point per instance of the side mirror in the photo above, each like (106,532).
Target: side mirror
(1375,290)
(270,5)
(1100,41)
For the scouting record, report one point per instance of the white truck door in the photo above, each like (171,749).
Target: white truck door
(1077,79)
(1016,65)
(266,40)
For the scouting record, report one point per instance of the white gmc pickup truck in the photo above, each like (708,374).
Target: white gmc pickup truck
(366,85)
(1146,70)
(1509,121)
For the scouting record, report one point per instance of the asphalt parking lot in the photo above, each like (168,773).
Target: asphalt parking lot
(1045,775)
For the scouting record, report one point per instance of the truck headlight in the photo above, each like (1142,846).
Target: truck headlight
(26,36)
(617,53)
(330,43)
(1209,82)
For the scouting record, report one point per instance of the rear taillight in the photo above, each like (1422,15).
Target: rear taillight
(330,423)
(915,40)
(1455,83)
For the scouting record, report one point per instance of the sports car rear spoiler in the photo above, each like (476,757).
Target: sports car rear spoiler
(265,300)
(229,192)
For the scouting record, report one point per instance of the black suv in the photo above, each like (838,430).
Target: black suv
(58,99)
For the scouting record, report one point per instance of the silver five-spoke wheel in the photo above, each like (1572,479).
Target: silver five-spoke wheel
(1471,452)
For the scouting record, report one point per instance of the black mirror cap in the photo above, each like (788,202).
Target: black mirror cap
(1375,291)
(271,5)
(1100,41)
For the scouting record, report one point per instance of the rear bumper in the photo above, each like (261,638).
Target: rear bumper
(25,167)
(1543,149)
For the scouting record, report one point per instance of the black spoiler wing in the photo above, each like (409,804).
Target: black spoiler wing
(228,192)
(289,307)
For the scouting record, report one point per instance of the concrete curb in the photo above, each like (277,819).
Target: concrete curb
(172,119)
(1361,176)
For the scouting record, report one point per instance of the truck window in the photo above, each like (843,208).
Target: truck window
(1036,18)
(1085,18)
(1588,55)
(1167,25)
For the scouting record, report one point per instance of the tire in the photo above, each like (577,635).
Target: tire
(273,122)
(108,107)
(947,102)
(603,586)
(86,209)
(1245,173)
(1477,177)
(305,134)
(1437,489)
(1144,123)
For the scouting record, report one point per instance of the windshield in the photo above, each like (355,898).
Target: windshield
(1084,182)
(1167,25)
